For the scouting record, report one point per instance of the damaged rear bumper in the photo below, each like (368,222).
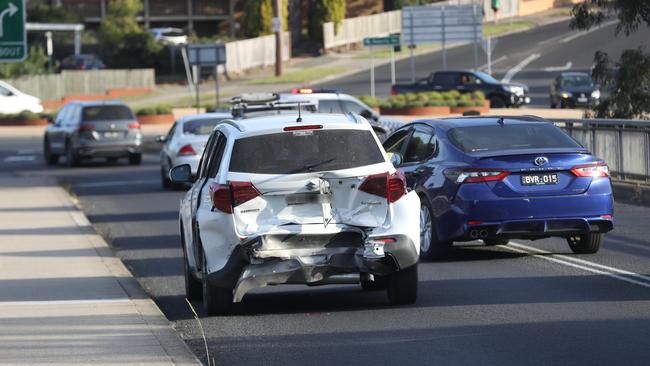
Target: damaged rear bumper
(303,259)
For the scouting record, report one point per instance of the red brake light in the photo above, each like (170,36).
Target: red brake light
(392,186)
(306,127)
(221,198)
(134,125)
(243,192)
(86,127)
(591,170)
(393,91)
(474,222)
(186,150)
(476,175)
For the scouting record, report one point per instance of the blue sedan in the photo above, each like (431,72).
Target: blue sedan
(496,179)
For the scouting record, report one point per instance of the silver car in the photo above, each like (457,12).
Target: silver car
(185,141)
(84,130)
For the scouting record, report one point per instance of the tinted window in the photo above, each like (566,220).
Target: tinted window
(508,137)
(305,151)
(445,78)
(329,106)
(201,126)
(354,107)
(106,113)
(486,77)
(396,141)
(5,92)
(420,147)
(572,81)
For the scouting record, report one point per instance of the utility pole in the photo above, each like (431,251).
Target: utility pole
(276,25)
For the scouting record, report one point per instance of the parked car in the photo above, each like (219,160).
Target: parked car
(13,101)
(500,95)
(82,62)
(185,141)
(328,101)
(574,89)
(497,179)
(298,200)
(173,36)
(85,130)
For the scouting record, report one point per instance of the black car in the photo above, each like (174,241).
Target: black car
(500,95)
(574,89)
(82,62)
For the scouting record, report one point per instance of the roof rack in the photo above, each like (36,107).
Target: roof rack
(266,102)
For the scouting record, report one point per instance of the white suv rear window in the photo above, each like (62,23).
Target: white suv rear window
(305,151)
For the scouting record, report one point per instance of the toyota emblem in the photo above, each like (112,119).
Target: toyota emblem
(541,160)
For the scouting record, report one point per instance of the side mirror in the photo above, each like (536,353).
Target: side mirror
(395,158)
(50,120)
(161,139)
(181,174)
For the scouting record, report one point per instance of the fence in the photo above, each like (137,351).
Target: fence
(623,144)
(56,86)
(255,52)
(354,30)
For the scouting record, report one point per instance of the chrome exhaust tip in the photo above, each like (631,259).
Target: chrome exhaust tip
(473,234)
(483,234)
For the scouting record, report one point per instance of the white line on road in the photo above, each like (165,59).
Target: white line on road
(63,302)
(115,183)
(559,68)
(512,72)
(502,58)
(19,158)
(580,34)
(584,265)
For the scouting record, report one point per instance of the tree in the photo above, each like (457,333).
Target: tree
(34,64)
(120,21)
(323,11)
(258,15)
(629,78)
(43,13)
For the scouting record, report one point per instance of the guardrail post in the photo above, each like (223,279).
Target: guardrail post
(621,167)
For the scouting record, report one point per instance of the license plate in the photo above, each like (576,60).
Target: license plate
(582,100)
(112,135)
(539,179)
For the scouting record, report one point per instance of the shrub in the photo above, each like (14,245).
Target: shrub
(451,102)
(20,116)
(146,111)
(478,95)
(163,109)
(411,97)
(422,98)
(465,103)
(436,103)
(434,95)
(370,101)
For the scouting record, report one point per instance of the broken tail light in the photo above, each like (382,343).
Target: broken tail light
(226,196)
(390,186)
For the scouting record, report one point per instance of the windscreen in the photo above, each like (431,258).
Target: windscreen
(510,137)
(106,113)
(305,151)
(569,81)
(200,126)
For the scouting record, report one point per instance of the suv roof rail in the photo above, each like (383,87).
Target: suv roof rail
(263,102)
(233,123)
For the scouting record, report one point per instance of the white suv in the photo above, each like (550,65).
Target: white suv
(297,200)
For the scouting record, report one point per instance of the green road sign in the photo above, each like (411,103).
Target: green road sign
(382,41)
(13,37)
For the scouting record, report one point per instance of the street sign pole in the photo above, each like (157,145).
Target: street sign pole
(13,33)
(216,80)
(370,42)
(475,41)
(392,65)
(489,55)
(411,47)
(372,73)
(444,40)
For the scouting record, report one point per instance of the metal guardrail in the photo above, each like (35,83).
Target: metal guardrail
(623,144)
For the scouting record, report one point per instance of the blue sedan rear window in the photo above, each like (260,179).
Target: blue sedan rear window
(510,137)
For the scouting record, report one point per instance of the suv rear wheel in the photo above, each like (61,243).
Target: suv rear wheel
(402,286)
(50,158)
(430,246)
(135,159)
(216,300)
(71,158)
(585,244)
(193,287)
(497,102)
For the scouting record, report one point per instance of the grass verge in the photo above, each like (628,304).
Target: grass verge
(506,26)
(299,77)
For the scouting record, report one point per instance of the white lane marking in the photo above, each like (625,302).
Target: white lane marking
(115,183)
(64,302)
(580,34)
(502,58)
(512,72)
(584,265)
(559,68)
(19,158)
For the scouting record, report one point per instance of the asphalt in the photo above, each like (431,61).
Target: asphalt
(500,305)
(555,44)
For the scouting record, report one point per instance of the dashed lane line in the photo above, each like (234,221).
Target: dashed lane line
(584,33)
(64,302)
(520,66)
(617,273)
(115,183)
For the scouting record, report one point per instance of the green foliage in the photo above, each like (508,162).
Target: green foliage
(154,111)
(434,99)
(398,4)
(323,11)
(43,13)
(258,15)
(120,21)
(630,85)
(34,64)
(631,14)
(370,101)
(478,96)
(137,50)
(22,116)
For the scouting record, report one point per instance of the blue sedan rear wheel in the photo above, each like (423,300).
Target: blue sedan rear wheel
(430,246)
(586,243)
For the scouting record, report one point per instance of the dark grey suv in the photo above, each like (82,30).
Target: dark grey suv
(84,130)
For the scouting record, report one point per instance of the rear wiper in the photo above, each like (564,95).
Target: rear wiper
(309,167)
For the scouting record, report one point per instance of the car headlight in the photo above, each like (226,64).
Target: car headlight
(514,89)
(566,95)
(595,94)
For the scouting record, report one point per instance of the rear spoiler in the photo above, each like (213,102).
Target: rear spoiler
(497,153)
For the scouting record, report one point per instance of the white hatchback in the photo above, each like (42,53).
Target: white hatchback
(13,101)
(288,200)
(185,141)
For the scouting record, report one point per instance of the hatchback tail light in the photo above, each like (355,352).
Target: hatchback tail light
(134,125)
(186,150)
(476,175)
(226,196)
(591,170)
(390,186)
